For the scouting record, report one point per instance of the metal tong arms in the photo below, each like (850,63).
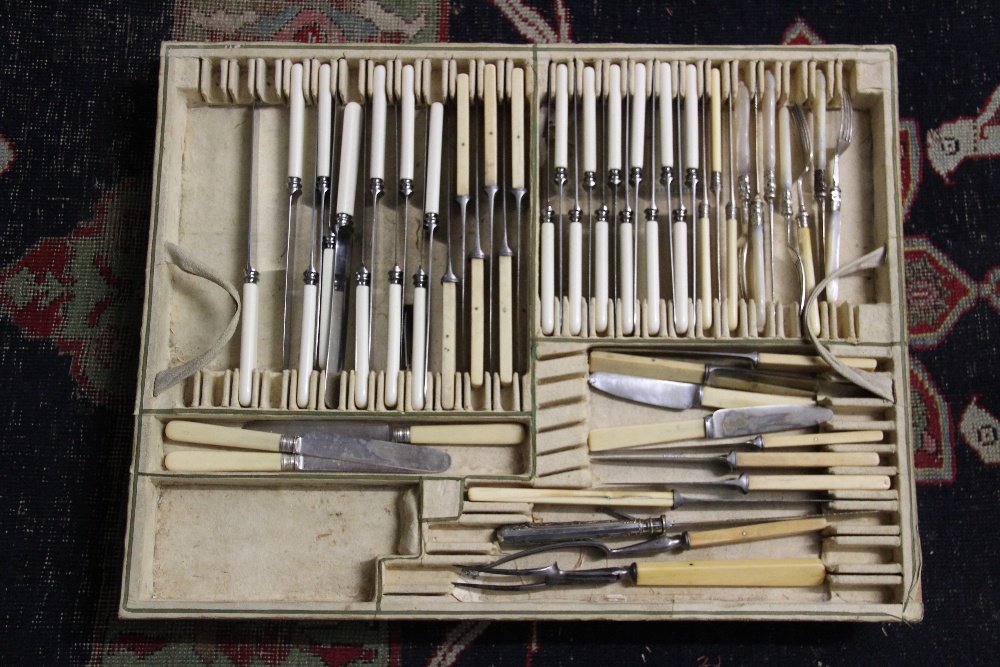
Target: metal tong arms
(772,572)
(736,534)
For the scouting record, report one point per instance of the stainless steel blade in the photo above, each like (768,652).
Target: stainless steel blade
(414,458)
(736,422)
(317,464)
(662,393)
(299,427)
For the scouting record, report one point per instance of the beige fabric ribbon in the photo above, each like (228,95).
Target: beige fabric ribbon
(167,378)
(877,383)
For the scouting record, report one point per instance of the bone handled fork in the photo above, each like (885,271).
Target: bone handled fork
(833,219)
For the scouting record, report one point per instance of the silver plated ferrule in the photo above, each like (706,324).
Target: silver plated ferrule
(702,210)
(730,211)
(288,444)
(666,176)
(406,187)
(770,186)
(651,214)
(602,213)
(757,212)
(400,434)
(803,219)
(589,180)
(363,277)
(744,187)
(396,275)
(716,183)
(344,220)
(310,277)
(430,221)
(575,214)
(786,203)
(252,275)
(294,185)
(420,278)
(560,176)
(626,216)
(614,177)
(691,178)
(680,214)
(835,198)
(375,186)
(635,176)
(291,462)
(819,184)
(329,241)
(548,214)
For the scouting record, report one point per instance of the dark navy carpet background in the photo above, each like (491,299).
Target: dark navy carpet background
(78,84)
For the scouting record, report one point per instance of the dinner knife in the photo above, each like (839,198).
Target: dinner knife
(725,423)
(346,448)
(507,433)
(684,395)
(226,461)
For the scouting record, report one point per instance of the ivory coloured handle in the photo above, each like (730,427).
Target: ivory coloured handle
(832,254)
(476,321)
(756,531)
(418,393)
(361,349)
(191,461)
(805,459)
(714,397)
(462,136)
(449,306)
(829,438)
(517,128)
(780,360)
(307,344)
(575,278)
(393,344)
(646,367)
(572,496)
(732,272)
(467,434)
(248,343)
(818,482)
(776,572)
(222,436)
(506,342)
(705,272)
(619,437)
(809,268)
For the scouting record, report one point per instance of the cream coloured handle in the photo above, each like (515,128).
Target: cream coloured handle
(829,438)
(571,496)
(191,461)
(448,329)
(818,482)
(575,278)
(776,572)
(755,271)
(296,122)
(361,349)
(625,260)
(506,342)
(517,128)
(462,136)
(619,437)
(476,321)
(547,287)
(392,345)
(809,268)
(780,360)
(418,390)
(732,272)
(490,125)
(705,272)
(325,296)
(653,276)
(714,397)
(467,434)
(680,276)
(757,531)
(600,276)
(805,459)
(307,345)
(646,367)
(198,433)
(248,343)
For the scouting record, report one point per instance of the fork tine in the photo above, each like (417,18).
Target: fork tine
(846,123)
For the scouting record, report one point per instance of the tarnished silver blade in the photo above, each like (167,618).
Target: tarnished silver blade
(414,458)
(737,422)
(297,427)
(317,464)
(662,393)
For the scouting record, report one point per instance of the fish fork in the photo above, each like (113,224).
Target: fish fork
(833,221)
(805,243)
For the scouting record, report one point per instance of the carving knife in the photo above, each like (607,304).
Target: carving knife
(684,395)
(347,448)
(726,423)
(416,434)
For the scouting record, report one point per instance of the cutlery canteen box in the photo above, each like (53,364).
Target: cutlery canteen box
(366,545)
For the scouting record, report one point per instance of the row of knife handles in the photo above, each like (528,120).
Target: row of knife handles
(596,316)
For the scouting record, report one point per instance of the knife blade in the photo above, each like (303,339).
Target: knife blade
(315,444)
(612,497)
(684,395)
(507,433)
(725,423)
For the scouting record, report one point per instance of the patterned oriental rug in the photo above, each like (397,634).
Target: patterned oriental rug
(78,86)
